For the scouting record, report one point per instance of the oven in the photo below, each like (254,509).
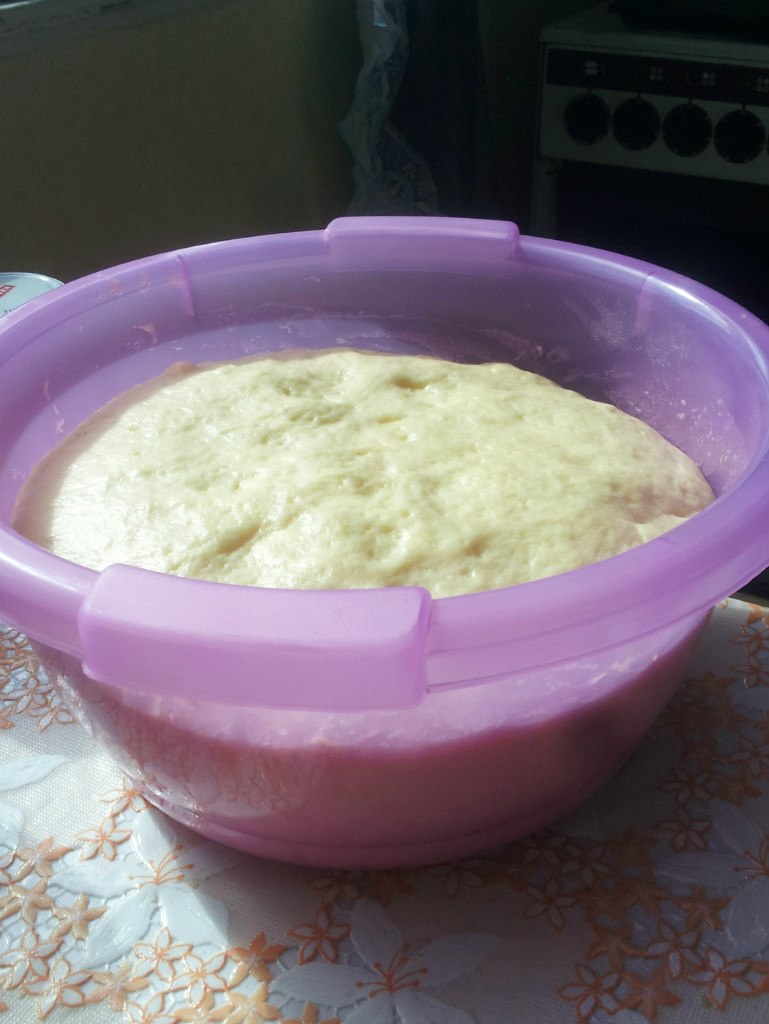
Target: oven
(653,143)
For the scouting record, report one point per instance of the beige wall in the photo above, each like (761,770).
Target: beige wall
(216,123)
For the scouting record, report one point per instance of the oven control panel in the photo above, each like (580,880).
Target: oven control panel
(653,109)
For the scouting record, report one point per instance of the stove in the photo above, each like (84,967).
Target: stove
(653,143)
(656,100)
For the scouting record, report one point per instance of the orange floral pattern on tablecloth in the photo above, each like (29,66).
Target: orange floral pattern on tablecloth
(24,688)
(670,911)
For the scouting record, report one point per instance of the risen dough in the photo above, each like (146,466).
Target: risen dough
(348,469)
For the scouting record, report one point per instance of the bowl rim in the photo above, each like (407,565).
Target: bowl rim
(43,594)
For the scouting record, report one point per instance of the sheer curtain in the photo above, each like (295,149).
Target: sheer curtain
(419,127)
(389,174)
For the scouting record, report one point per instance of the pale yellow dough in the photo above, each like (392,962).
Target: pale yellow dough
(348,469)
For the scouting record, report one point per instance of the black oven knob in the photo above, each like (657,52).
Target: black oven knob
(636,124)
(687,129)
(739,136)
(587,118)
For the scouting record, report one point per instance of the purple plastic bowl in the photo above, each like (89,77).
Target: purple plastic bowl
(382,728)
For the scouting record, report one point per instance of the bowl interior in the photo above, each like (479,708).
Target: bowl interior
(631,338)
(690,363)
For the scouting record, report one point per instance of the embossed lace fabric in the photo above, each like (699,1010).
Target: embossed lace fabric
(390,176)
(651,903)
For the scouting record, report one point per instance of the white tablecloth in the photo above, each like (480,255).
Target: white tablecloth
(651,903)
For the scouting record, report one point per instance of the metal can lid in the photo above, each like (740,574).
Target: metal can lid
(16,289)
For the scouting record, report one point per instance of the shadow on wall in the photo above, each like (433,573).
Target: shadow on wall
(219,122)
(468,100)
